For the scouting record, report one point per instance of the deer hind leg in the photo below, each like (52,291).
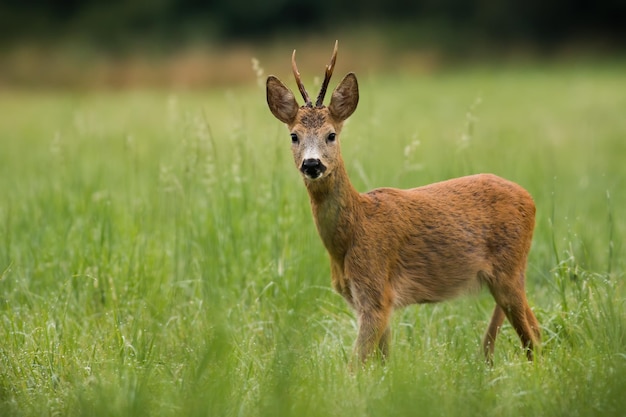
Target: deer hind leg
(517,315)
(511,299)
(489,340)
(533,323)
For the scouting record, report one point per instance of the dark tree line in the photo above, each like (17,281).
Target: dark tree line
(112,21)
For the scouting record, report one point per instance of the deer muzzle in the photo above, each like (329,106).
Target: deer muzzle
(312,168)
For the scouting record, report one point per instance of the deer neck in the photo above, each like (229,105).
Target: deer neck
(335,205)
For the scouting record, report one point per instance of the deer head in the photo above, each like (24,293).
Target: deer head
(314,129)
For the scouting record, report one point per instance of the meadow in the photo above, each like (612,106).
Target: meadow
(158,255)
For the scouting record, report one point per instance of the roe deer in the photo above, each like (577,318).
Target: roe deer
(389,247)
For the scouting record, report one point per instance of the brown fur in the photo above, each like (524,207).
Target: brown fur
(390,248)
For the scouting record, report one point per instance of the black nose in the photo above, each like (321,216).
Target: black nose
(312,168)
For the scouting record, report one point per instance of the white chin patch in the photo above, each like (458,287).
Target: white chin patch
(312,177)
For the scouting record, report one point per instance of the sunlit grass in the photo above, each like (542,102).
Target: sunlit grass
(158,256)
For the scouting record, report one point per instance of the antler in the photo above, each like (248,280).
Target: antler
(329,73)
(305,95)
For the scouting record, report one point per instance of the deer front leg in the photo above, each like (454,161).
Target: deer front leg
(383,343)
(339,282)
(373,302)
(373,338)
(374,333)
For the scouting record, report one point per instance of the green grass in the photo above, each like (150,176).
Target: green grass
(158,255)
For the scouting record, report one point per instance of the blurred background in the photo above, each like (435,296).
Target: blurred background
(194,44)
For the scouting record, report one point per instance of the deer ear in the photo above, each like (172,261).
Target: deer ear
(280,100)
(345,98)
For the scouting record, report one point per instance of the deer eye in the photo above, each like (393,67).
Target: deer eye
(294,138)
(331,137)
